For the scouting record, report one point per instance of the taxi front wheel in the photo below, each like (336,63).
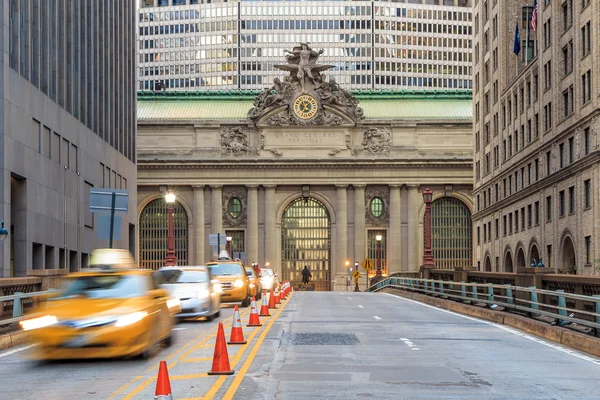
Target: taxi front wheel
(246,301)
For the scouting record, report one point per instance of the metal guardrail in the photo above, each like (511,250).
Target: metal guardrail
(525,299)
(17,300)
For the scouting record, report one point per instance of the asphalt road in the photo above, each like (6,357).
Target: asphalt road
(329,345)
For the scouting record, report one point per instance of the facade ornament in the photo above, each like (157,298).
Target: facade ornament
(229,219)
(377,140)
(233,140)
(305,97)
(384,218)
(276,152)
(334,151)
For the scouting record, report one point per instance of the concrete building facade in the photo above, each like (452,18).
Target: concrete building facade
(536,124)
(67,124)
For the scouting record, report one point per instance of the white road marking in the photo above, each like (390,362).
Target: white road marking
(415,348)
(349,298)
(13,351)
(510,330)
(179,329)
(359,306)
(376,317)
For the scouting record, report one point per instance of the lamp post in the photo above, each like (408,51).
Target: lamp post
(428,254)
(3,232)
(170,258)
(378,238)
(229,238)
(356,289)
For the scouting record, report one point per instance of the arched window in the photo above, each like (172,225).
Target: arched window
(376,207)
(234,208)
(154,230)
(451,233)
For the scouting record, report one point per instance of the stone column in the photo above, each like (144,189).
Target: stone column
(216,222)
(359,224)
(199,239)
(394,237)
(339,272)
(252,215)
(270,227)
(413,228)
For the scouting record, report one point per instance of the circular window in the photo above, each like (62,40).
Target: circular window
(234,207)
(377,207)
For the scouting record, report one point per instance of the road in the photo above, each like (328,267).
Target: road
(330,345)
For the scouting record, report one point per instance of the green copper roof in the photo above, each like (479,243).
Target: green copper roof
(387,105)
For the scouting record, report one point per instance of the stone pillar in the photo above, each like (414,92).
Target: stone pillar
(270,227)
(252,223)
(216,222)
(413,228)
(394,236)
(199,237)
(359,224)
(339,271)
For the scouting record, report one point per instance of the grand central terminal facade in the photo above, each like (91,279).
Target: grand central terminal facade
(306,173)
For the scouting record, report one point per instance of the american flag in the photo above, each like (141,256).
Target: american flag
(534,16)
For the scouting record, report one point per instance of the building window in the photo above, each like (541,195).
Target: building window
(548,159)
(510,224)
(561,153)
(571,199)
(586,39)
(548,208)
(376,207)
(234,207)
(516,221)
(571,150)
(586,87)
(377,250)
(529,216)
(561,203)
(504,225)
(588,249)
(497,228)
(587,192)
(586,140)
(536,211)
(451,233)
(547,33)
(548,116)
(237,244)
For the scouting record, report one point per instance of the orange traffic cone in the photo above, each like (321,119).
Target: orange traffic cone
(220,364)
(237,336)
(264,310)
(277,296)
(271,300)
(254,320)
(163,386)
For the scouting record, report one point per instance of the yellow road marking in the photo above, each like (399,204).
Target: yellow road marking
(242,373)
(188,360)
(189,376)
(138,389)
(124,387)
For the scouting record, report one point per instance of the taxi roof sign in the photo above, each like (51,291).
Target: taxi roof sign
(112,258)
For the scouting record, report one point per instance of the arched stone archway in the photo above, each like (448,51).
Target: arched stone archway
(521,258)
(569,261)
(534,254)
(508,262)
(153,234)
(306,240)
(488,264)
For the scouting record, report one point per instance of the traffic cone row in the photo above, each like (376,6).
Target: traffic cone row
(254,320)
(264,310)
(163,385)
(237,336)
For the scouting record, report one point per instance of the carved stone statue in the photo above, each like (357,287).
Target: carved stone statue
(302,64)
(377,140)
(234,140)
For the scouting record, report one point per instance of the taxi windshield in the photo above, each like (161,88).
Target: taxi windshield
(103,287)
(180,276)
(226,269)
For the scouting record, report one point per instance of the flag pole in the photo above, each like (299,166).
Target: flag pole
(527,39)
(517,57)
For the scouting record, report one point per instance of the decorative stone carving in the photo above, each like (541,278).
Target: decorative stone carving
(385,216)
(233,140)
(377,140)
(304,97)
(275,151)
(333,152)
(228,219)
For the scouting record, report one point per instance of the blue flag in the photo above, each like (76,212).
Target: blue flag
(517,45)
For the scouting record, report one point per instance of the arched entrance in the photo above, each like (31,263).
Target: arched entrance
(154,230)
(521,258)
(508,262)
(451,233)
(488,264)
(306,240)
(569,265)
(535,254)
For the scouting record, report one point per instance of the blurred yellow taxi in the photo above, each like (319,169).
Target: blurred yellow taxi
(110,310)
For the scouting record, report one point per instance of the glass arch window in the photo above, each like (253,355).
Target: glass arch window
(376,207)
(154,231)
(451,233)
(234,208)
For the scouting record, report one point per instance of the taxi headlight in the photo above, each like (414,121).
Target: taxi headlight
(130,318)
(238,283)
(252,285)
(173,302)
(202,294)
(40,322)
(267,281)
(218,288)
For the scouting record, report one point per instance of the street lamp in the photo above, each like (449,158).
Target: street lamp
(228,238)
(356,289)
(378,238)
(428,254)
(170,258)
(3,232)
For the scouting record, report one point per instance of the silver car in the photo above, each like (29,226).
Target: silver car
(198,292)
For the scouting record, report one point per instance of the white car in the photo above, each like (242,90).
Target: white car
(198,292)
(269,280)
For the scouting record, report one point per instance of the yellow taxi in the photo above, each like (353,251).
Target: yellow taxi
(255,284)
(235,285)
(111,310)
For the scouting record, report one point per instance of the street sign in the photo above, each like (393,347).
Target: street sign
(101,201)
(367,264)
(217,239)
(104,227)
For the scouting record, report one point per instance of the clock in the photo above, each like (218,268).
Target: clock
(305,106)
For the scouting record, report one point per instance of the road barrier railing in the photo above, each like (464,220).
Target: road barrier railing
(19,302)
(529,300)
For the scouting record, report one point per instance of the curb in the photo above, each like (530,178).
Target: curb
(13,339)
(575,340)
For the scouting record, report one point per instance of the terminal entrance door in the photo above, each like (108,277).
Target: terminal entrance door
(306,240)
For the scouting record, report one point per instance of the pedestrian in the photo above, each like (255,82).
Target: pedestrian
(306,275)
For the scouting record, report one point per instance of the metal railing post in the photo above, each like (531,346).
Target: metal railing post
(17,306)
(597,317)
(474,290)
(509,295)
(463,291)
(442,287)
(490,292)
(534,299)
(562,304)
